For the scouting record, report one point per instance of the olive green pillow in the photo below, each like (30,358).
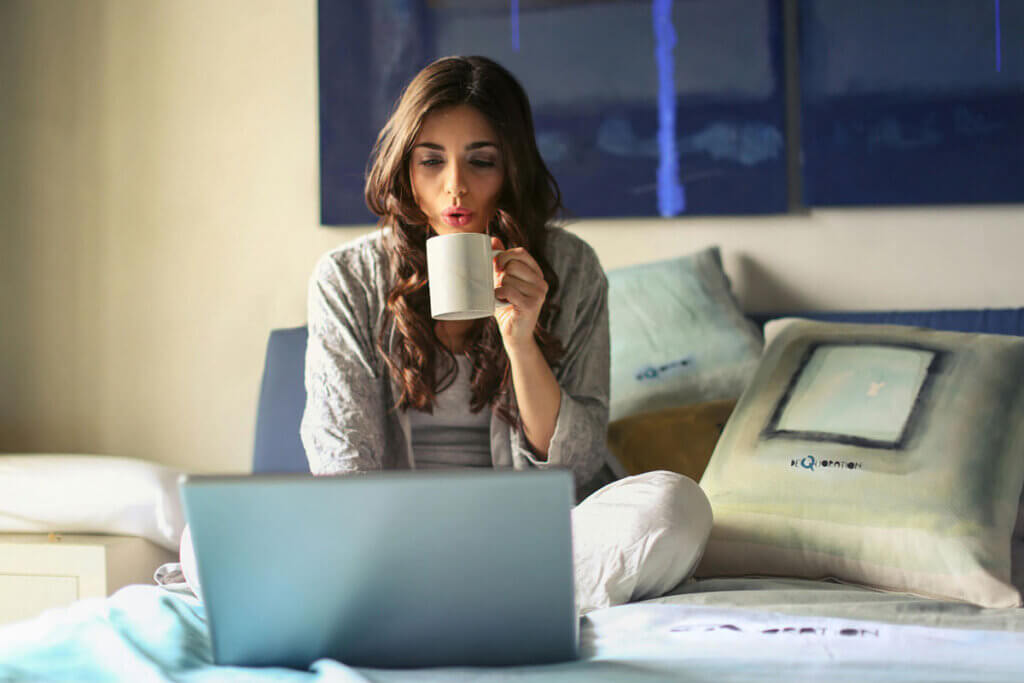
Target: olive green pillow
(679,439)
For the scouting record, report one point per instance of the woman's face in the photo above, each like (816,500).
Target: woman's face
(456,170)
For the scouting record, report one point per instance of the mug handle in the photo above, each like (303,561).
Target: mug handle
(499,304)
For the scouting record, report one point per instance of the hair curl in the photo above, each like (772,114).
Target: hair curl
(529,201)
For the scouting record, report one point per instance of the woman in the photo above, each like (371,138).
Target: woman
(389,387)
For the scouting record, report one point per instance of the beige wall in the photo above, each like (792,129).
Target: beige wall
(159,215)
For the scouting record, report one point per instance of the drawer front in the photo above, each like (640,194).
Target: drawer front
(23,596)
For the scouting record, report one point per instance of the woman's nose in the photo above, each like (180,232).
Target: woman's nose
(453,183)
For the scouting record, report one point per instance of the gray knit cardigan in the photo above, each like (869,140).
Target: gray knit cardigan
(350,424)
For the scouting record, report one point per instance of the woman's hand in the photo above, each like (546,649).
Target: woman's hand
(518,280)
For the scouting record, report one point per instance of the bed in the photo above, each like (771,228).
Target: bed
(711,628)
(741,629)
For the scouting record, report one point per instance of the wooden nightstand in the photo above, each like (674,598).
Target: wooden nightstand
(40,571)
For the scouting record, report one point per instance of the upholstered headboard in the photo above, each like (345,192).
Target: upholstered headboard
(283,395)
(282,399)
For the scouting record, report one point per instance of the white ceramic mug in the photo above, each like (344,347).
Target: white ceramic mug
(461,277)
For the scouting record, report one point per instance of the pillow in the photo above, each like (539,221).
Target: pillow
(882,455)
(189,568)
(677,335)
(90,494)
(637,538)
(679,439)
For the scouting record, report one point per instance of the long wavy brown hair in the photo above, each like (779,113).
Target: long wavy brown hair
(528,202)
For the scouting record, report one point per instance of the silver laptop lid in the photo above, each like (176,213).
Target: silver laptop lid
(390,569)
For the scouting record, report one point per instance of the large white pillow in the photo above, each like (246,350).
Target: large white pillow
(90,494)
(638,537)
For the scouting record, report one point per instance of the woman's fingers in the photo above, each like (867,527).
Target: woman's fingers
(519,258)
(522,271)
(520,280)
(528,288)
(510,295)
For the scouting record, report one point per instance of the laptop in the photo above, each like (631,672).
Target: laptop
(388,569)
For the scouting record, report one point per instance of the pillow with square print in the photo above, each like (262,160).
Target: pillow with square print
(677,335)
(882,455)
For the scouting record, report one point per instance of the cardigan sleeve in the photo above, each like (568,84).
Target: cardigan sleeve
(344,421)
(579,441)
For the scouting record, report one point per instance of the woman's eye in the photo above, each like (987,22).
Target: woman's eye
(430,162)
(482,163)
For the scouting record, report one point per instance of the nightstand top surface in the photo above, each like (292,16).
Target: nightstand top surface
(65,539)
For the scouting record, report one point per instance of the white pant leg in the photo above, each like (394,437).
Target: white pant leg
(187,557)
(637,538)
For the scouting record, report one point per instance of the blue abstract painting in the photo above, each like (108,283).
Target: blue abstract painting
(911,102)
(641,108)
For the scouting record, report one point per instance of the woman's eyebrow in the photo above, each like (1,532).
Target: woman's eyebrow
(471,146)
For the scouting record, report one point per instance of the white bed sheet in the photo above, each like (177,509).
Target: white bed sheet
(145,633)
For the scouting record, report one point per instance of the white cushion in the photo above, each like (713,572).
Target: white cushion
(90,494)
(678,335)
(638,538)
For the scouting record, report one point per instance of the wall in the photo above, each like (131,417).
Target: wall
(159,215)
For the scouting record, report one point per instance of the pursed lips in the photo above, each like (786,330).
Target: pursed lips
(457,216)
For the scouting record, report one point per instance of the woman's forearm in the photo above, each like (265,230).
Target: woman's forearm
(538,395)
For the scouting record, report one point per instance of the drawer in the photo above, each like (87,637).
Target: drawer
(39,571)
(23,596)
